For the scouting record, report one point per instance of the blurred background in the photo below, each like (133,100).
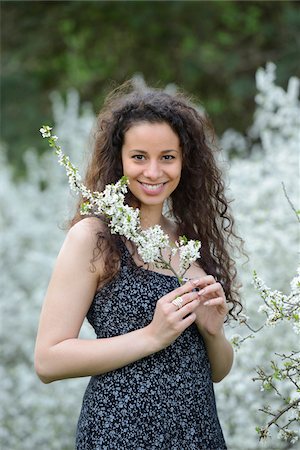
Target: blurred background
(211,49)
(239,61)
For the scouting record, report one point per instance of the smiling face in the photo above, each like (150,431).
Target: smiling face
(152,161)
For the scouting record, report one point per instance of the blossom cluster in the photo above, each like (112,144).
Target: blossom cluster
(279,306)
(288,435)
(150,242)
(125,220)
(188,251)
(272,98)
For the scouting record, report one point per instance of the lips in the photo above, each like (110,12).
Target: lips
(152,188)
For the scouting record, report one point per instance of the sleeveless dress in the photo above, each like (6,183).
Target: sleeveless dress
(164,401)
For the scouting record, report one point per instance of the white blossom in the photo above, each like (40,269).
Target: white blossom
(46,131)
(150,242)
(124,221)
(236,340)
(278,306)
(288,435)
(189,252)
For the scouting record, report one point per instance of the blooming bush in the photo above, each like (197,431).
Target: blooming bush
(32,218)
(283,381)
(33,213)
(269,157)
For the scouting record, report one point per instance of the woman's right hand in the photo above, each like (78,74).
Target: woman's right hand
(169,321)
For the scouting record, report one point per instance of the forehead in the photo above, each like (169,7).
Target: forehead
(147,135)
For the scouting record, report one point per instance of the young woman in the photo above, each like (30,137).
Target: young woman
(154,361)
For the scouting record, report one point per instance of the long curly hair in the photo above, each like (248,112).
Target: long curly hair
(198,204)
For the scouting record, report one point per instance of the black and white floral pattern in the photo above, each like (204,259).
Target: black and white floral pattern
(164,401)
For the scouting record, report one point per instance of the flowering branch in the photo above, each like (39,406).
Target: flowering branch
(289,371)
(278,307)
(125,220)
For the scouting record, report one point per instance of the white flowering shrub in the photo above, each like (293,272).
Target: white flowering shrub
(33,215)
(33,212)
(268,224)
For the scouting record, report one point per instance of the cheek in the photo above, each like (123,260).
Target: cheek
(127,170)
(125,165)
(178,171)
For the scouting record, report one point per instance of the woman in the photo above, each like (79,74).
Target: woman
(154,361)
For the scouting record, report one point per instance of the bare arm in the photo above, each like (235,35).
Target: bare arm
(220,354)
(60,353)
(210,321)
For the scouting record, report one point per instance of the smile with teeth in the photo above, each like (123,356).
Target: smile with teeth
(152,187)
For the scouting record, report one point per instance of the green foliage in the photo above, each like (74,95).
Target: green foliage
(209,48)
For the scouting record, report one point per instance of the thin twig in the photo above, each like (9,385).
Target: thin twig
(282,411)
(290,203)
(252,329)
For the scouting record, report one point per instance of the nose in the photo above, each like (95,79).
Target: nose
(153,170)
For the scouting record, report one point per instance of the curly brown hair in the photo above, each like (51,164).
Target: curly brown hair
(198,204)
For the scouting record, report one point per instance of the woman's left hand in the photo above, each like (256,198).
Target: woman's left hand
(213,308)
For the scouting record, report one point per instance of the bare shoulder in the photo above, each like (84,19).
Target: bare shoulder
(86,229)
(84,233)
(73,282)
(81,241)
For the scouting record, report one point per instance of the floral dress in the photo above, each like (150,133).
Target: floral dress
(164,401)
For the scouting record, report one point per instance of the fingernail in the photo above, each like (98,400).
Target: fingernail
(195,282)
(206,303)
(202,291)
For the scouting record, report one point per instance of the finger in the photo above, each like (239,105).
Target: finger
(216,287)
(184,300)
(206,280)
(180,291)
(216,302)
(188,308)
(187,321)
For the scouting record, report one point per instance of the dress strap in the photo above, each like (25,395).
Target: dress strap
(126,257)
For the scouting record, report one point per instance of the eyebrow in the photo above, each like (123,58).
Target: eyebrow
(145,152)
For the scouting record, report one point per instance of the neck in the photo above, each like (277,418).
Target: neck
(151,216)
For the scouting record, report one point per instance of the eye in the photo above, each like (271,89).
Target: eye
(138,157)
(168,157)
